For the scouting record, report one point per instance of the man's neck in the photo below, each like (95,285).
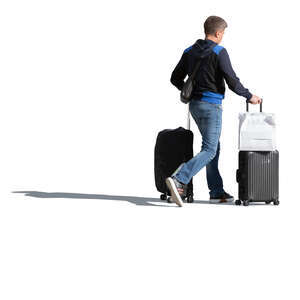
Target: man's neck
(211,38)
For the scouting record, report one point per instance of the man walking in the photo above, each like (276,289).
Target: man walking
(206,108)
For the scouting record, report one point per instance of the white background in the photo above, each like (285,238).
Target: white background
(85,89)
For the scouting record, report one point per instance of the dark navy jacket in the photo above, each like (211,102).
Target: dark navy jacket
(209,82)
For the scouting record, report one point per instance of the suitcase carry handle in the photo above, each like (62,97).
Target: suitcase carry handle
(238,176)
(247,105)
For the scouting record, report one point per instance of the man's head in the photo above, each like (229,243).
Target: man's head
(214,28)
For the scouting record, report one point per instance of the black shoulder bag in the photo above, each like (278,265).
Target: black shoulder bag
(187,90)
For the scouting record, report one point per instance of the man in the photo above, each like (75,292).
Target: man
(206,108)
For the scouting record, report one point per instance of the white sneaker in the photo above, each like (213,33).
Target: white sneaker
(175,187)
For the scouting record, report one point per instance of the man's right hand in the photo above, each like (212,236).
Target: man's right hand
(255,100)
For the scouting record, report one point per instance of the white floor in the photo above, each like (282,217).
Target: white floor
(71,245)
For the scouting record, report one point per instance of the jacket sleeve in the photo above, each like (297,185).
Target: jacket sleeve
(230,77)
(180,72)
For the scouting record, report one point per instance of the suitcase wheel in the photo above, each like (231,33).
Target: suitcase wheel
(246,202)
(163,197)
(169,200)
(238,202)
(268,202)
(190,199)
(276,202)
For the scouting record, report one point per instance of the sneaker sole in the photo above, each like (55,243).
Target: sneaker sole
(216,201)
(174,193)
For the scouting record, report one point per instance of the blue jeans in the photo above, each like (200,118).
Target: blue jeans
(208,117)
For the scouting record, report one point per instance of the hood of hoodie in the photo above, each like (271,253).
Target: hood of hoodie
(203,47)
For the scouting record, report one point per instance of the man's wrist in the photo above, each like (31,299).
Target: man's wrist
(249,96)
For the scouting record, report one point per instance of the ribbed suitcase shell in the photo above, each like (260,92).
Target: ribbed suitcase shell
(258,176)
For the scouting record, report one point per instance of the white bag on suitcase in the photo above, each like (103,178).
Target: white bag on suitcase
(257,131)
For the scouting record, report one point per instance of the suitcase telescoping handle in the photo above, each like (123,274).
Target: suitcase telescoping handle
(188,126)
(247,105)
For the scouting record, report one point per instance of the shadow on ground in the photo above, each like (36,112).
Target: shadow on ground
(146,201)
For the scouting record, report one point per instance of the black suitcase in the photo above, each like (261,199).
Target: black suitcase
(172,148)
(258,176)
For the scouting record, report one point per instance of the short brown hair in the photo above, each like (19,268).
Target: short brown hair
(213,24)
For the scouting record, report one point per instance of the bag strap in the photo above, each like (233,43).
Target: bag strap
(197,67)
(200,61)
